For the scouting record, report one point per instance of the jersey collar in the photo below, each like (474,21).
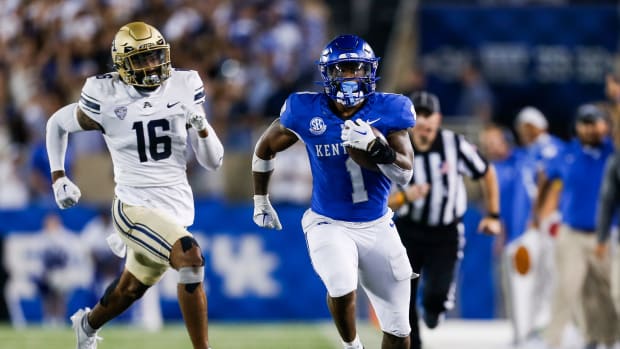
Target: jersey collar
(362,113)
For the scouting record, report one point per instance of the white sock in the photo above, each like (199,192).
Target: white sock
(355,344)
(90,331)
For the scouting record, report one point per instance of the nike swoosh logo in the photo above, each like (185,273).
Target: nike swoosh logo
(362,133)
(264,217)
(372,122)
(172,105)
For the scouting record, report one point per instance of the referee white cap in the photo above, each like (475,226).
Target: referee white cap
(532,116)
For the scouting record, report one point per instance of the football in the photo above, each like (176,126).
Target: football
(361,157)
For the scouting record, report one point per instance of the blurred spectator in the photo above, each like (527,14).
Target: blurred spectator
(58,246)
(476,97)
(47,263)
(582,290)
(541,149)
(612,105)
(528,287)
(497,144)
(609,197)
(13,191)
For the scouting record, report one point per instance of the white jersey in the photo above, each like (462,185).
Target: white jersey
(146,135)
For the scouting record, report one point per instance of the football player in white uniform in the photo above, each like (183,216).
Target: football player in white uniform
(144,110)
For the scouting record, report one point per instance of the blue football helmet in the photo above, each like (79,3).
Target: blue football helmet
(348,67)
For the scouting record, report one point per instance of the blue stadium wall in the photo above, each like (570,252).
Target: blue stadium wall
(255,274)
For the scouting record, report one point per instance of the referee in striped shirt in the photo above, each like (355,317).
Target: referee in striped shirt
(430,209)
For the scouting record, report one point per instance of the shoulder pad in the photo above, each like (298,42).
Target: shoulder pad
(396,108)
(96,90)
(303,98)
(296,107)
(301,102)
(191,79)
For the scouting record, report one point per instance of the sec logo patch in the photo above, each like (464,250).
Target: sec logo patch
(317,126)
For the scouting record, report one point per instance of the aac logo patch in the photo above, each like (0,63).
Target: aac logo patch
(317,126)
(120,112)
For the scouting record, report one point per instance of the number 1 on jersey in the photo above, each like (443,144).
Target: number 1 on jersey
(154,140)
(357,180)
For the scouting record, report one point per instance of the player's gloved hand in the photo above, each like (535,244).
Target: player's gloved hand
(357,134)
(264,214)
(197,120)
(66,192)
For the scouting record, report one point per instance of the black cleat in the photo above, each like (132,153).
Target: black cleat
(432,320)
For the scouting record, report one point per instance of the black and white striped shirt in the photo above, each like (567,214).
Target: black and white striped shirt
(442,166)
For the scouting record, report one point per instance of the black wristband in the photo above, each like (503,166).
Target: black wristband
(493,215)
(381,153)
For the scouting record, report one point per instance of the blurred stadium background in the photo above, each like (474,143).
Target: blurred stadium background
(486,59)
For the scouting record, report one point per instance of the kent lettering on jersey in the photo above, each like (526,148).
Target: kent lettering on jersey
(336,149)
(349,230)
(342,189)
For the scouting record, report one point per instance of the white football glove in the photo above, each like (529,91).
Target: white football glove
(66,192)
(264,214)
(357,134)
(197,120)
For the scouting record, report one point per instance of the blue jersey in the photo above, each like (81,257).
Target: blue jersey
(580,168)
(342,189)
(514,201)
(545,151)
(537,158)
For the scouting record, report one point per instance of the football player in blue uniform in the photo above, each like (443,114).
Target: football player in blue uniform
(348,228)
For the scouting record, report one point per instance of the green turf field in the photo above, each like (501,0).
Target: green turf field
(222,336)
